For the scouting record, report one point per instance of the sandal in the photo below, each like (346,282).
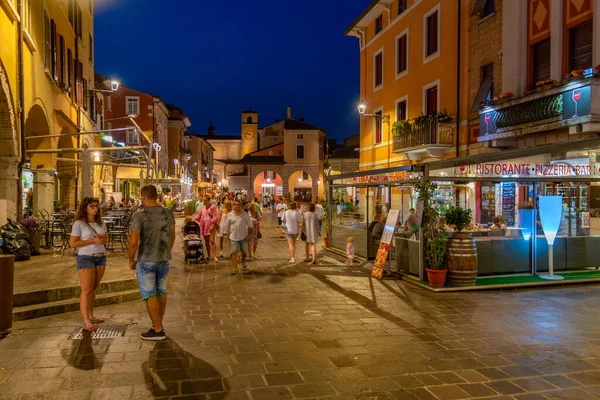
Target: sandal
(216,260)
(89,327)
(96,320)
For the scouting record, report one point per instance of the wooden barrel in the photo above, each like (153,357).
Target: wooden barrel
(462,260)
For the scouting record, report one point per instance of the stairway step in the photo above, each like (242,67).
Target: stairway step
(72,304)
(71,292)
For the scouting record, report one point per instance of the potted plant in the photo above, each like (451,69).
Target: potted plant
(444,117)
(576,74)
(435,239)
(190,207)
(545,84)
(462,249)
(34,227)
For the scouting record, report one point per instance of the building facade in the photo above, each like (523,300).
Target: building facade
(53,41)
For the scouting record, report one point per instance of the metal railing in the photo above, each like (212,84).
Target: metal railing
(427,132)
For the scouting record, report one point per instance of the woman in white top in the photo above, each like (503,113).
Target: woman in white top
(88,236)
(222,220)
(310,227)
(291,220)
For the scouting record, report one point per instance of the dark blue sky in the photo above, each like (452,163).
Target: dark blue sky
(214,59)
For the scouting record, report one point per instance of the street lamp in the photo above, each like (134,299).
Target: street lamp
(362,108)
(114,86)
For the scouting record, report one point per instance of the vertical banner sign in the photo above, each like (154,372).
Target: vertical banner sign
(384,245)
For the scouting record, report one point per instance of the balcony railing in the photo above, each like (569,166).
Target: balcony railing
(423,135)
(569,105)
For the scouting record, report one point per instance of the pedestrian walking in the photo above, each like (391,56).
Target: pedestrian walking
(280,208)
(319,212)
(153,229)
(255,217)
(350,250)
(88,237)
(310,228)
(222,221)
(291,223)
(239,228)
(207,219)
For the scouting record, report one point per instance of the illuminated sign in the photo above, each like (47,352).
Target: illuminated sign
(381,178)
(511,169)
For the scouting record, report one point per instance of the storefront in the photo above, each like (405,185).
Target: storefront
(507,184)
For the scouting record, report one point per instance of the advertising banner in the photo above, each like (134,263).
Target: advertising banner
(384,246)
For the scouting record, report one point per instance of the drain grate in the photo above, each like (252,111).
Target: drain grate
(105,332)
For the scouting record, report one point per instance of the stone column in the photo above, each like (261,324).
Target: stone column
(43,189)
(556,39)
(9,181)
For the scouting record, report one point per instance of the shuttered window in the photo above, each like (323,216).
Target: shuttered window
(580,46)
(378,24)
(47,42)
(401,111)
(79,94)
(402,54)
(431,100)
(70,71)
(63,69)
(54,51)
(378,69)
(432,34)
(541,61)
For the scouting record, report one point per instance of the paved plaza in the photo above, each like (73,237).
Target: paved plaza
(315,332)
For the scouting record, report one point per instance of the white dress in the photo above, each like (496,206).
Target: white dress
(311,227)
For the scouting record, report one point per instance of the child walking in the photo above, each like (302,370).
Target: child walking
(350,250)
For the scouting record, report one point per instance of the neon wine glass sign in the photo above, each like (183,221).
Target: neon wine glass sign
(488,118)
(576,95)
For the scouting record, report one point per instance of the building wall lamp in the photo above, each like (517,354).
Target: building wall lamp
(114,86)
(362,108)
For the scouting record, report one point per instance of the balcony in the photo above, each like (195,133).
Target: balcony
(424,136)
(567,106)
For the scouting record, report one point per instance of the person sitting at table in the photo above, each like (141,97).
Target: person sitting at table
(123,203)
(411,224)
(498,223)
(111,202)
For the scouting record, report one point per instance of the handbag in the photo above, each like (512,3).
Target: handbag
(259,235)
(303,236)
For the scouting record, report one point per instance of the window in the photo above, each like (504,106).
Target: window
(378,130)
(85,98)
(63,70)
(108,126)
(300,136)
(540,62)
(249,120)
(379,24)
(580,46)
(47,42)
(72,12)
(431,34)
(92,106)
(431,98)
(91,48)
(109,103)
(378,69)
(401,110)
(27,15)
(402,54)
(70,71)
(101,122)
(401,6)
(483,7)
(78,15)
(79,93)
(486,87)
(300,152)
(54,55)
(132,136)
(132,105)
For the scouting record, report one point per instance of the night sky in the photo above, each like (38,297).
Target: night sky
(214,59)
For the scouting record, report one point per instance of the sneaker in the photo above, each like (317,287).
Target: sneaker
(292,260)
(153,335)
(244,269)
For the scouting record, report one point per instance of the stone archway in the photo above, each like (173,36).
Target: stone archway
(42,164)
(303,185)
(9,160)
(267,182)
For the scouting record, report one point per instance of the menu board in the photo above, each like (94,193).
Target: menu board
(508,203)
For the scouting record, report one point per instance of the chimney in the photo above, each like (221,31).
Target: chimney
(289,112)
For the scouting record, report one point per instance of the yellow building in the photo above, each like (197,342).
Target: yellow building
(47,71)
(409,63)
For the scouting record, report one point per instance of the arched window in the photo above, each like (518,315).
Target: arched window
(249,120)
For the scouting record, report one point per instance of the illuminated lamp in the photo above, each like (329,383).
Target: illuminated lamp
(526,222)
(550,217)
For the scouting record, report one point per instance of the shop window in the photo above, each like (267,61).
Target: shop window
(541,61)
(401,6)
(378,70)
(486,87)
(431,96)
(432,34)
(402,54)
(378,126)
(300,152)
(401,110)
(580,46)
(379,24)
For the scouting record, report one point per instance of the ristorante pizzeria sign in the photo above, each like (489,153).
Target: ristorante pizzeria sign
(509,169)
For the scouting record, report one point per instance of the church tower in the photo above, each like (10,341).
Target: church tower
(249,132)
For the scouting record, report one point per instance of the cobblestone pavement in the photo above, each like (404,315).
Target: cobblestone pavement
(327,332)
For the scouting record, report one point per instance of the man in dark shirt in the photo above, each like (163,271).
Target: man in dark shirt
(153,229)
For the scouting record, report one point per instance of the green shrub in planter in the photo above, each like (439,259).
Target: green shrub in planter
(458,218)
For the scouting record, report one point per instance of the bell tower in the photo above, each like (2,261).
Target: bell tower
(249,131)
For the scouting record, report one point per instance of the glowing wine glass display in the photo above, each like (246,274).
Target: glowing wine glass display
(488,118)
(576,95)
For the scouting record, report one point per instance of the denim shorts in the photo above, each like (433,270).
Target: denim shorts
(292,236)
(87,262)
(237,247)
(152,278)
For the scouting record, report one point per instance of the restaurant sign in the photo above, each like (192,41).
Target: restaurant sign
(379,178)
(518,170)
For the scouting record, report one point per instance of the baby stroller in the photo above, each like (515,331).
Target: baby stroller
(192,243)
